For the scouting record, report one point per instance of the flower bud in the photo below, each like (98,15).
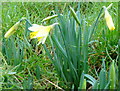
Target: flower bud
(12,30)
(108,19)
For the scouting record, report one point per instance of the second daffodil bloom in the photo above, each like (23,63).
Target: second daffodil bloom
(40,32)
(12,30)
(108,19)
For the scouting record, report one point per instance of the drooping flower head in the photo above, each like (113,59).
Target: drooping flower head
(40,32)
(108,19)
(12,30)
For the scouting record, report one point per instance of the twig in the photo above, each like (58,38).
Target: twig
(55,85)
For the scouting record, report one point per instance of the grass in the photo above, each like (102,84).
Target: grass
(26,66)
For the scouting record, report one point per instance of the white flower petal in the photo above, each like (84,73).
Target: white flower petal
(44,39)
(35,27)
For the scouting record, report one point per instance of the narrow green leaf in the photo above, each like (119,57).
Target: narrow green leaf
(107,85)
(112,76)
(90,77)
(81,80)
(59,46)
(92,83)
(95,86)
(103,79)
(84,84)
(85,48)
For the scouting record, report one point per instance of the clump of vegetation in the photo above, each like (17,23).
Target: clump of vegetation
(75,37)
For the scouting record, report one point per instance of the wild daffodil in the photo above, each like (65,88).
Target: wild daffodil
(108,19)
(12,30)
(40,32)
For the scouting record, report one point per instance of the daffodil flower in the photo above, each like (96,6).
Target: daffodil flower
(108,19)
(40,32)
(12,30)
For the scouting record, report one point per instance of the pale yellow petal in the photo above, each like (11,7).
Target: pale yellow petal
(44,32)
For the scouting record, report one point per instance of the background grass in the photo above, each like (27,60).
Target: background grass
(27,65)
